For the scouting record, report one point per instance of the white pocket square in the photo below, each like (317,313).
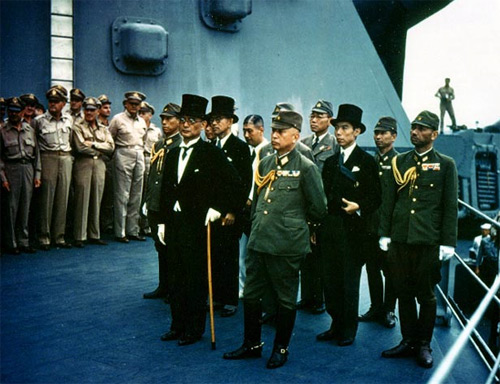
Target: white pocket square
(355,169)
(197,170)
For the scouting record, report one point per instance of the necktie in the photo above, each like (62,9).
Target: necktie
(341,158)
(184,152)
(252,153)
(218,143)
(315,142)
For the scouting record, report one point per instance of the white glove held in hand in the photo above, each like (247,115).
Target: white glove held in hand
(161,233)
(144,209)
(446,252)
(383,243)
(212,215)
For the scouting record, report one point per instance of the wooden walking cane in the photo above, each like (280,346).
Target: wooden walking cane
(210,294)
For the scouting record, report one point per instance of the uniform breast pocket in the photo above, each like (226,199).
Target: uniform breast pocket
(49,134)
(65,133)
(289,185)
(11,147)
(29,145)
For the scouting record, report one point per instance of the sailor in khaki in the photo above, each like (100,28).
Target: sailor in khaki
(20,171)
(128,129)
(53,130)
(91,141)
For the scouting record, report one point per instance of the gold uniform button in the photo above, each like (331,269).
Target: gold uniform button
(272,189)
(412,211)
(414,199)
(268,200)
(156,182)
(418,163)
(416,186)
(265,212)
(432,185)
(380,173)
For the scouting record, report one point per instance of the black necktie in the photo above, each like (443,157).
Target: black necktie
(184,152)
(252,153)
(315,142)
(218,144)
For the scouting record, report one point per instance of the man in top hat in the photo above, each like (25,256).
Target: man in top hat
(76,97)
(288,195)
(105,110)
(20,171)
(153,134)
(382,305)
(446,95)
(322,145)
(53,130)
(91,141)
(420,225)
(171,139)
(128,129)
(30,102)
(227,231)
(352,187)
(301,147)
(199,185)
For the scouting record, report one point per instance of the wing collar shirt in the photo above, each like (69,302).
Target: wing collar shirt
(184,155)
(223,141)
(347,152)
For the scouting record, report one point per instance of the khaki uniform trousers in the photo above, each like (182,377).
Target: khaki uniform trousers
(54,192)
(128,166)
(88,178)
(18,200)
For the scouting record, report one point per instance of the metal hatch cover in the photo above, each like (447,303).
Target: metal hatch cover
(139,46)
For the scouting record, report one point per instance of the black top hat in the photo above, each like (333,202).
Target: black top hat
(193,106)
(223,106)
(350,113)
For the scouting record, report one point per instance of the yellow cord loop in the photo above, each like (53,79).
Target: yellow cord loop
(410,176)
(263,181)
(157,155)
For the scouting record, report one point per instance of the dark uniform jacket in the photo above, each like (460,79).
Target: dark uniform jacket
(427,215)
(158,155)
(323,150)
(280,213)
(209,181)
(361,186)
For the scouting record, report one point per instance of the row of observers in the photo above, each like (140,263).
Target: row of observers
(322,205)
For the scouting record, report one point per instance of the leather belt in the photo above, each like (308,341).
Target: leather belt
(131,147)
(19,161)
(56,153)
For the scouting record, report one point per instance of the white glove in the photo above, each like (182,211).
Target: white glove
(212,215)
(384,242)
(144,209)
(446,252)
(161,233)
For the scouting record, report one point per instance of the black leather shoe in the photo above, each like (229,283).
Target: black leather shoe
(302,304)
(424,356)
(278,357)
(64,245)
(13,251)
(371,315)
(136,237)
(188,339)
(228,312)
(245,352)
(403,349)
(122,239)
(331,334)
(97,242)
(170,335)
(78,244)
(156,294)
(317,309)
(388,320)
(27,249)
(44,247)
(345,342)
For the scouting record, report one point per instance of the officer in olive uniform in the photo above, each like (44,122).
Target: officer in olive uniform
(323,145)
(20,171)
(128,130)
(91,141)
(288,195)
(420,224)
(53,130)
(172,139)
(382,306)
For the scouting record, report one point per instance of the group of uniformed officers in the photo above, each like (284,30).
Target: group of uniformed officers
(314,210)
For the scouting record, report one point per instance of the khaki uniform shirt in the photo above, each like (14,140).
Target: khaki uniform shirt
(19,145)
(102,142)
(52,134)
(127,131)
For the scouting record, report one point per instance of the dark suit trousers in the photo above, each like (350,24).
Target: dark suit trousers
(225,263)
(342,259)
(187,278)
(416,270)
(311,288)
(154,219)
